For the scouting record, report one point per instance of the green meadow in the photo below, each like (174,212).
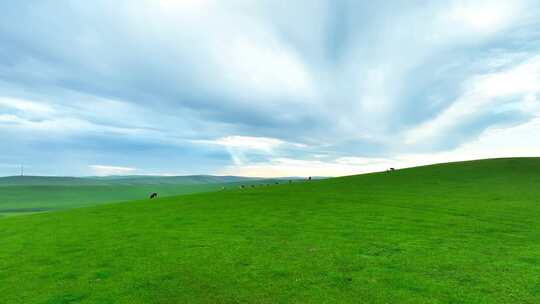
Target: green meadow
(17,200)
(465,232)
(32,194)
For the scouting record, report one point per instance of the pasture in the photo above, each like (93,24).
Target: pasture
(32,194)
(17,200)
(452,233)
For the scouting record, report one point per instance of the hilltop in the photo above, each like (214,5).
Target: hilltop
(463,232)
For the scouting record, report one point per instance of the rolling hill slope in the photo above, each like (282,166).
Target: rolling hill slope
(452,233)
(32,194)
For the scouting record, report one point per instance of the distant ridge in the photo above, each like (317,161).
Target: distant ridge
(120,180)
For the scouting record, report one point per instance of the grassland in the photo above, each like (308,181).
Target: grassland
(452,233)
(17,200)
(32,194)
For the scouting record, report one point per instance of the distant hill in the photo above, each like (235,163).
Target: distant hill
(121,180)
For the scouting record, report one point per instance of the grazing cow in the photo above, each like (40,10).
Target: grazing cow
(153,195)
(392,169)
(309,178)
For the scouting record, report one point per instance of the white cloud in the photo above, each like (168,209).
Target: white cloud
(62,126)
(517,141)
(521,79)
(287,167)
(483,17)
(512,88)
(103,170)
(270,69)
(247,142)
(355,161)
(29,108)
(240,146)
(81,115)
(184,5)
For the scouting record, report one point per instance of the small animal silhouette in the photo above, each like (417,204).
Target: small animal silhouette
(153,195)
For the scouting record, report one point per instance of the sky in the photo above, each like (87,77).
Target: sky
(266,87)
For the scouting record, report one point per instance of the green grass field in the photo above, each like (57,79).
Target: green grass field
(452,233)
(31,194)
(17,200)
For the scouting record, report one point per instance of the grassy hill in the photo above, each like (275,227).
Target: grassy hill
(31,194)
(452,233)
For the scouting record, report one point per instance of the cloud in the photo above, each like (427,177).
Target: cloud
(247,142)
(484,17)
(205,85)
(28,107)
(241,146)
(102,170)
(507,91)
(287,167)
(517,141)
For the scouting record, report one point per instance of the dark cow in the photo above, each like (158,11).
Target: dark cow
(392,169)
(309,178)
(153,195)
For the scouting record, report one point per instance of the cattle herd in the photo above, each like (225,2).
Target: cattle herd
(290,181)
(155,195)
